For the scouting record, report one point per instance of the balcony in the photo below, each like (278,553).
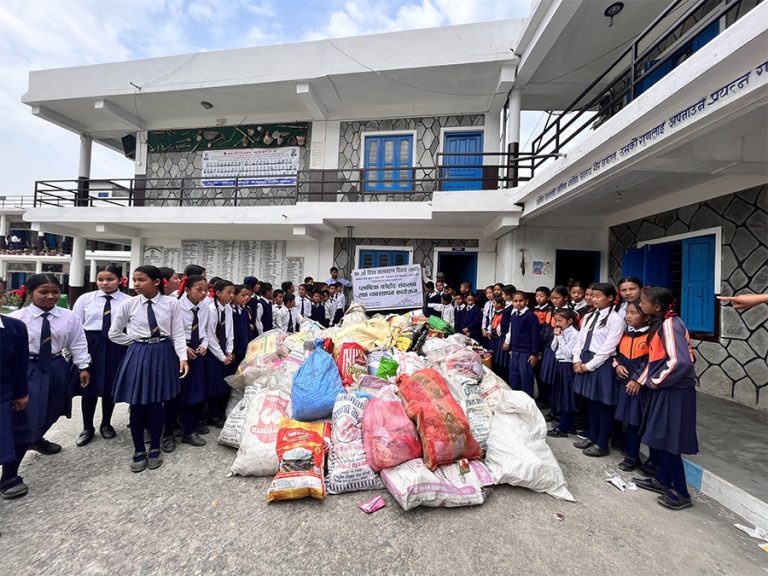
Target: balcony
(453,172)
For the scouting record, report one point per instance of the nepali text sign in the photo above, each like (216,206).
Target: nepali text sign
(388,288)
(254,167)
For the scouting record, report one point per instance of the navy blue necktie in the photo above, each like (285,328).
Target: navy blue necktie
(194,337)
(590,331)
(45,352)
(221,332)
(154,331)
(106,318)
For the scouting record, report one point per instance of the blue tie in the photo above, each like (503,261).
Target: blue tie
(45,352)
(194,337)
(106,318)
(590,331)
(154,331)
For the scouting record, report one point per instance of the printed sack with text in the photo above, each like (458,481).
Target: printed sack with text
(301,453)
(352,361)
(256,453)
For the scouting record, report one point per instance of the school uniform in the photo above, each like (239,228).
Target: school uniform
(544,316)
(304,306)
(288,320)
(317,313)
(562,376)
(496,344)
(524,341)
(670,424)
(548,359)
(447,312)
(221,330)
(95,310)
(581,309)
(340,305)
(263,319)
(432,298)
(632,353)
(14,361)
(49,375)
(196,318)
(473,322)
(595,348)
(485,325)
(501,358)
(241,331)
(458,318)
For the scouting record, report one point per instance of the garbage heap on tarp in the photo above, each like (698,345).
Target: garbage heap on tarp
(395,402)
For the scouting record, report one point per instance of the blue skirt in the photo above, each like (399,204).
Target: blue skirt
(7,438)
(148,374)
(500,357)
(599,385)
(548,363)
(50,397)
(215,371)
(193,385)
(671,421)
(105,361)
(629,409)
(563,398)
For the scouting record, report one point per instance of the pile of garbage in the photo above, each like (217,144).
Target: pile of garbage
(395,402)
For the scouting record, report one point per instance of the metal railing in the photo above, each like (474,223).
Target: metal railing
(661,47)
(17,201)
(452,171)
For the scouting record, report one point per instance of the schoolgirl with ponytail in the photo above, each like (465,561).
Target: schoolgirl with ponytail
(49,375)
(221,329)
(171,281)
(669,424)
(629,291)
(95,310)
(592,361)
(558,298)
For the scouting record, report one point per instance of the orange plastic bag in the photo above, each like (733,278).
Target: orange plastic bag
(442,425)
(301,451)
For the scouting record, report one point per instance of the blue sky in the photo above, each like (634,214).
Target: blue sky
(41,34)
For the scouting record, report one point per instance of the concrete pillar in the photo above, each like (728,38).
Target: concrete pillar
(84,170)
(92,268)
(514,113)
(38,267)
(137,258)
(4,272)
(140,170)
(3,230)
(77,269)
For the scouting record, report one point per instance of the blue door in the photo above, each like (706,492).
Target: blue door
(463,172)
(633,263)
(658,265)
(698,282)
(458,267)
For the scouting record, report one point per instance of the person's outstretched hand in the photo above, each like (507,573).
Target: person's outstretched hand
(744,301)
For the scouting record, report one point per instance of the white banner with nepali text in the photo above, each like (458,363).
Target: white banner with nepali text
(388,288)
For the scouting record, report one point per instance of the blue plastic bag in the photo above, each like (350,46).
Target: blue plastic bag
(316,384)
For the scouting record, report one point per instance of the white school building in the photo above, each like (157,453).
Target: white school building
(282,161)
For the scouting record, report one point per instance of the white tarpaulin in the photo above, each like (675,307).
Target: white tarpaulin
(388,288)
(251,167)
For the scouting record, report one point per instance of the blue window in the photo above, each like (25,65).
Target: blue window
(388,161)
(381,258)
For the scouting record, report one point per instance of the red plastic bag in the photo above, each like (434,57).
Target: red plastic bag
(352,362)
(441,423)
(389,436)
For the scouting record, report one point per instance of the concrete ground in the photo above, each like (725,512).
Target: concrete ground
(86,513)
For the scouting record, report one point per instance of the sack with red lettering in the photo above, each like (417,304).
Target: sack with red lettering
(442,424)
(256,454)
(352,362)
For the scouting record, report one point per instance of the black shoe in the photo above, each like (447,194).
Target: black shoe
(648,470)
(582,444)
(168,444)
(674,500)
(628,465)
(194,439)
(217,422)
(16,491)
(107,432)
(178,432)
(46,447)
(651,484)
(202,428)
(155,459)
(595,451)
(85,437)
(583,434)
(557,433)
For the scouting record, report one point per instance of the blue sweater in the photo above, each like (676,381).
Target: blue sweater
(526,333)
(14,357)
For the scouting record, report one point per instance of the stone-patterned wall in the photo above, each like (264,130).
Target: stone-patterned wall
(735,366)
(165,170)
(426,145)
(423,249)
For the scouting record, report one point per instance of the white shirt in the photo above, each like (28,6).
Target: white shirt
(89,308)
(229,327)
(203,319)
(66,332)
(487,315)
(623,310)
(605,339)
(563,344)
(285,316)
(447,312)
(577,306)
(260,303)
(304,306)
(131,316)
(344,281)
